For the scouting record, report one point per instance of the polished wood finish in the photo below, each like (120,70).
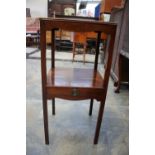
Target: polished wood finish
(53,106)
(97,50)
(73,77)
(61,82)
(82,39)
(91,107)
(123,48)
(116,16)
(120,63)
(75,83)
(60,35)
(107,5)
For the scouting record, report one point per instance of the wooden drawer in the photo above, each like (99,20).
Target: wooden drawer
(74,93)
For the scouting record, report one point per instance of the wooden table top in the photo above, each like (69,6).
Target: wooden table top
(77,25)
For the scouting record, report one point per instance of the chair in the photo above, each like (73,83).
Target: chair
(79,39)
(32,31)
(77,83)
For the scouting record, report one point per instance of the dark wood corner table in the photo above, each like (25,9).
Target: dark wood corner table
(74,83)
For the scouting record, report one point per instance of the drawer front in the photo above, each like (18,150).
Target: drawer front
(74,93)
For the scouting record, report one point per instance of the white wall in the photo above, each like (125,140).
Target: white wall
(38,8)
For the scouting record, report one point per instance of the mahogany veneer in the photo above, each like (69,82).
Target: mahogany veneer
(75,83)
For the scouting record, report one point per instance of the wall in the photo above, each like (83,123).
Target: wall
(38,8)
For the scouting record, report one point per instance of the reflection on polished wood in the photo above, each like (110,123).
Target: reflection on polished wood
(74,77)
(75,83)
(64,80)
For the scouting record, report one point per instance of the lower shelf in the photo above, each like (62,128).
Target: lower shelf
(74,84)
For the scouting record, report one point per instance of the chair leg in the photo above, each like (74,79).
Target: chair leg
(91,107)
(73,51)
(45,114)
(98,126)
(53,106)
(84,54)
